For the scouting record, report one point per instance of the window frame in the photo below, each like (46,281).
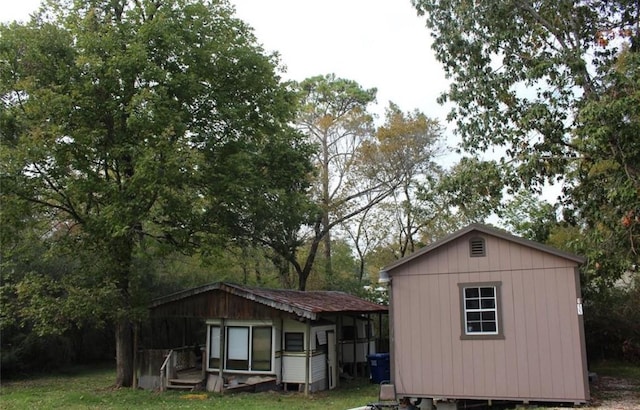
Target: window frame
(464,333)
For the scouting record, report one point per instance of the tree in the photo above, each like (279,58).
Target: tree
(366,231)
(551,86)
(128,121)
(607,192)
(404,151)
(473,189)
(333,116)
(530,217)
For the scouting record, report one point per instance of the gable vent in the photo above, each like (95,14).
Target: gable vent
(477,247)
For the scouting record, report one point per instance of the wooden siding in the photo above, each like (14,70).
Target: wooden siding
(217,304)
(540,357)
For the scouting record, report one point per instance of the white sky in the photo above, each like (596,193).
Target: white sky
(378,43)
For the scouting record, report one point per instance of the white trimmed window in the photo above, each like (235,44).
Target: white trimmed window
(214,347)
(247,348)
(480,304)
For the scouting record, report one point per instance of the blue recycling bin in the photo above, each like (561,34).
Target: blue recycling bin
(380,367)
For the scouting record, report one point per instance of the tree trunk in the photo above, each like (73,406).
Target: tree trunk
(121,254)
(124,354)
(328,266)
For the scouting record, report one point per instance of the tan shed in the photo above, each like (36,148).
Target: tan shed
(485,315)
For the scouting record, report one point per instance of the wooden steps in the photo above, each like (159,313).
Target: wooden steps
(188,379)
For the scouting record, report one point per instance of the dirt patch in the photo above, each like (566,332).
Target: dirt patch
(614,393)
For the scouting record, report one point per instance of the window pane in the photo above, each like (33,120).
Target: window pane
(487,292)
(214,350)
(489,326)
(237,348)
(473,304)
(214,347)
(473,327)
(261,350)
(238,343)
(473,316)
(489,316)
(471,293)
(294,342)
(488,303)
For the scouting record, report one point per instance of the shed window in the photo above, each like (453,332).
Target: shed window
(480,310)
(294,342)
(477,247)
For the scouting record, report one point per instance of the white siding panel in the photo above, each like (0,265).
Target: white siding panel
(318,368)
(293,369)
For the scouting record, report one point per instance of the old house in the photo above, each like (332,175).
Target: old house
(485,315)
(228,336)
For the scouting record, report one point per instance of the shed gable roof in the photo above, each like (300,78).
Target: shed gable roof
(306,304)
(488,230)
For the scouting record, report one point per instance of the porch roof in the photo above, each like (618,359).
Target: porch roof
(306,304)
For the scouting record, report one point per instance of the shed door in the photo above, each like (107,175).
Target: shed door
(332,365)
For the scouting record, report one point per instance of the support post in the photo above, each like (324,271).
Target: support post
(223,341)
(307,364)
(355,346)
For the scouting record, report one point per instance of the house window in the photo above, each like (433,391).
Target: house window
(214,347)
(238,348)
(261,348)
(477,247)
(480,310)
(247,348)
(294,342)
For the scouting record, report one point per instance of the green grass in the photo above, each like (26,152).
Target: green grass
(84,388)
(617,369)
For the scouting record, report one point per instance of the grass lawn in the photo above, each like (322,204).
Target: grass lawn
(86,388)
(617,369)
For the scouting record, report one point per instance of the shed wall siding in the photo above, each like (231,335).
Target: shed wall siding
(539,357)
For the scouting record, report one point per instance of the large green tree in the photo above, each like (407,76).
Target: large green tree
(551,87)
(124,121)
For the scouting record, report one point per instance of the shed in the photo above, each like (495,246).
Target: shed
(485,315)
(295,338)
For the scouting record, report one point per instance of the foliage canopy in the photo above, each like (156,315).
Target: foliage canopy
(129,121)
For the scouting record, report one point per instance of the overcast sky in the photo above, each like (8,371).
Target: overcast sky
(378,43)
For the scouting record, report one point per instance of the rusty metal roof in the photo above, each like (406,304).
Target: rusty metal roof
(307,304)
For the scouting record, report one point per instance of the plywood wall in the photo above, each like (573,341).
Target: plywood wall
(540,356)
